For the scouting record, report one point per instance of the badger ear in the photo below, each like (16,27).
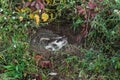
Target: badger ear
(55,38)
(60,37)
(64,37)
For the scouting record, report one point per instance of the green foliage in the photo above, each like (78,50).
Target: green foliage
(14,55)
(104,29)
(101,47)
(15,71)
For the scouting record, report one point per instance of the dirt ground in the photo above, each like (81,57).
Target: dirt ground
(64,28)
(59,60)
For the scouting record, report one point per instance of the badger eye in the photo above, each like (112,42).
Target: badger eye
(55,46)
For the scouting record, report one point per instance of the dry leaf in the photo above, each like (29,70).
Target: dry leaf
(45,64)
(37,58)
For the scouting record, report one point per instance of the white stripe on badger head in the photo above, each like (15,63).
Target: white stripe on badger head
(44,39)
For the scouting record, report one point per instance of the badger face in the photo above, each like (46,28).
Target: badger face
(57,44)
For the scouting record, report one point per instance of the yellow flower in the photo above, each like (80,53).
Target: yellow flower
(37,19)
(20,18)
(44,17)
(30,0)
(31,16)
(48,1)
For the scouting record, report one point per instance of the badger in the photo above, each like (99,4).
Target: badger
(47,40)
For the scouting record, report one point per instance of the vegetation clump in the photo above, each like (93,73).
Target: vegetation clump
(93,24)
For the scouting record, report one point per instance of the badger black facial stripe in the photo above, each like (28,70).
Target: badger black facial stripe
(59,40)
